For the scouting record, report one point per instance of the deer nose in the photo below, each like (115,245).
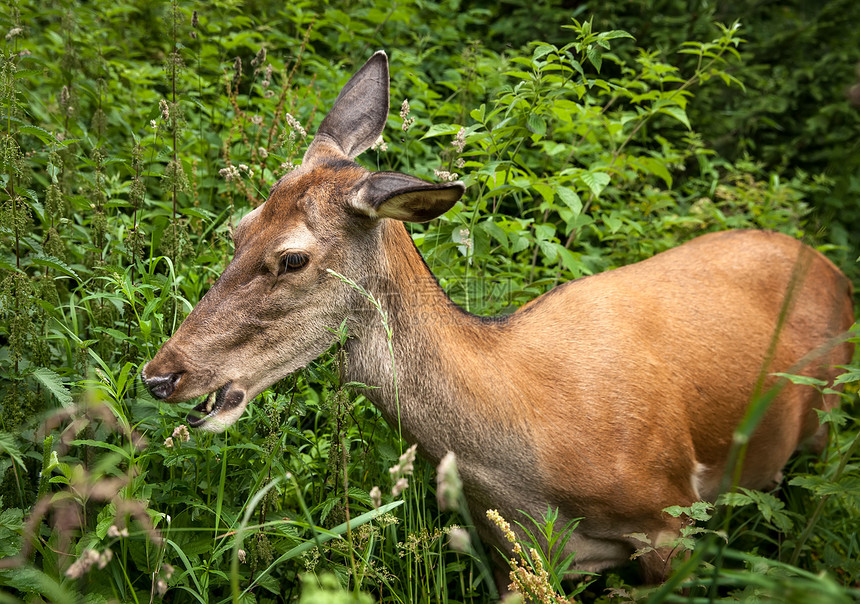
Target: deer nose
(161,386)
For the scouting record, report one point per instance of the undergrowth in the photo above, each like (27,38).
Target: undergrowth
(127,158)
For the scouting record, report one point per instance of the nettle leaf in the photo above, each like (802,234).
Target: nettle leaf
(536,124)
(596,181)
(54,383)
(40,133)
(735,500)
(10,447)
(595,56)
(847,485)
(543,50)
(56,264)
(571,199)
(851,375)
(441,130)
(677,113)
(657,168)
(494,231)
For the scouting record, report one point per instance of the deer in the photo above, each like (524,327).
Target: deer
(609,398)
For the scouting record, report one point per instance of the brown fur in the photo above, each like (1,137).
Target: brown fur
(609,398)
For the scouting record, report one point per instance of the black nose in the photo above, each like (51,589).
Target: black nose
(161,386)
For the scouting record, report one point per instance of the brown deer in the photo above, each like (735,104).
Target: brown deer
(610,397)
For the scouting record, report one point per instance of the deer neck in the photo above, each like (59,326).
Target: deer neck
(437,383)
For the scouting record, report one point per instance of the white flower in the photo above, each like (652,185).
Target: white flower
(376,497)
(445,175)
(460,140)
(380,144)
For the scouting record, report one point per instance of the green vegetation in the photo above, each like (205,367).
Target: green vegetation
(135,134)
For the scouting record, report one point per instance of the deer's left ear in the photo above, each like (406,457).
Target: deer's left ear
(359,113)
(404,197)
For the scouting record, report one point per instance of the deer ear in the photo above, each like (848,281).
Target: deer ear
(359,113)
(406,198)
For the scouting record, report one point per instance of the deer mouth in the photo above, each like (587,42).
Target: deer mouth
(216,403)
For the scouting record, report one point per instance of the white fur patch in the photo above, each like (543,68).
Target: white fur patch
(224,419)
(697,480)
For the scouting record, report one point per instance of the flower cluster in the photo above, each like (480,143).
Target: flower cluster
(404,115)
(445,175)
(528,576)
(459,141)
(295,127)
(88,559)
(161,582)
(404,468)
(533,582)
(505,527)
(448,484)
(180,433)
(379,144)
(229,173)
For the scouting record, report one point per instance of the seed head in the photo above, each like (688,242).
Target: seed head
(448,484)
(376,497)
(229,173)
(458,539)
(181,433)
(405,464)
(401,485)
(404,115)
(446,176)
(260,58)
(459,141)
(295,126)
(379,144)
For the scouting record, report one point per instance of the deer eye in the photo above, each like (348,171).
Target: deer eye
(293,261)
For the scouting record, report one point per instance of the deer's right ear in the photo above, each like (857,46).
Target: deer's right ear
(359,113)
(404,197)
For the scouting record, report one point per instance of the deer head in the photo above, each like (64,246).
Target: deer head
(276,307)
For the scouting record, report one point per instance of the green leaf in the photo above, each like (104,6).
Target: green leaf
(595,56)
(803,380)
(571,199)
(734,499)
(542,51)
(56,264)
(31,580)
(40,133)
(441,130)
(494,231)
(9,446)
(54,383)
(657,168)
(677,113)
(536,124)
(596,181)
(101,445)
(323,536)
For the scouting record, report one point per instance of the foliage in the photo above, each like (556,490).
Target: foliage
(125,161)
